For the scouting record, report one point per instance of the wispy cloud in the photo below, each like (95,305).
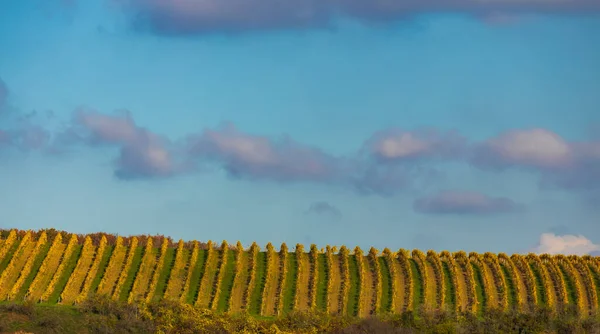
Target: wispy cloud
(323,208)
(465,203)
(194,17)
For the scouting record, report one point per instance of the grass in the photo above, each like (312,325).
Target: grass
(197,273)
(259,283)
(102,268)
(479,291)
(449,288)
(539,285)
(163,277)
(386,286)
(227,282)
(64,278)
(132,273)
(323,278)
(354,290)
(290,282)
(418,291)
(511,292)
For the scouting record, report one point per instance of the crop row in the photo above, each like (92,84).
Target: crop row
(233,279)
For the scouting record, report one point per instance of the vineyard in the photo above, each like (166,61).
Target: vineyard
(55,267)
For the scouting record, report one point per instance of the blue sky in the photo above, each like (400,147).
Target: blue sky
(474,128)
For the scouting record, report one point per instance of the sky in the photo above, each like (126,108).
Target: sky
(444,125)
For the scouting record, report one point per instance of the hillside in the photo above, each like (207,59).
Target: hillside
(51,267)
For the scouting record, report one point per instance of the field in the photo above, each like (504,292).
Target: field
(52,267)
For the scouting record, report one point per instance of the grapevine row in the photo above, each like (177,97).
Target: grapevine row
(434,259)
(190,270)
(571,275)
(74,284)
(299,273)
(469,277)
(362,273)
(254,249)
(28,265)
(514,277)
(157,270)
(8,243)
(453,277)
(586,274)
(91,274)
(115,265)
(66,256)
(329,262)
(125,269)
(44,273)
(501,287)
(282,275)
(177,274)
(140,284)
(376,274)
(214,302)
(345,273)
(389,260)
(559,285)
(313,277)
(419,259)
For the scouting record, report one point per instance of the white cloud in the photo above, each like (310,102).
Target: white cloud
(566,244)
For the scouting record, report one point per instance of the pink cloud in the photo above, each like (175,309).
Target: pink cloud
(141,153)
(399,145)
(252,156)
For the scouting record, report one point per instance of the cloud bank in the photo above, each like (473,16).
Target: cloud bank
(390,161)
(551,243)
(464,203)
(203,16)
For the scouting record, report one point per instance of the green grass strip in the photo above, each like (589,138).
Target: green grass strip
(418,291)
(163,277)
(539,285)
(386,286)
(132,273)
(510,286)
(322,279)
(227,282)
(260,279)
(354,290)
(37,263)
(64,278)
(101,268)
(450,301)
(289,291)
(481,298)
(197,273)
